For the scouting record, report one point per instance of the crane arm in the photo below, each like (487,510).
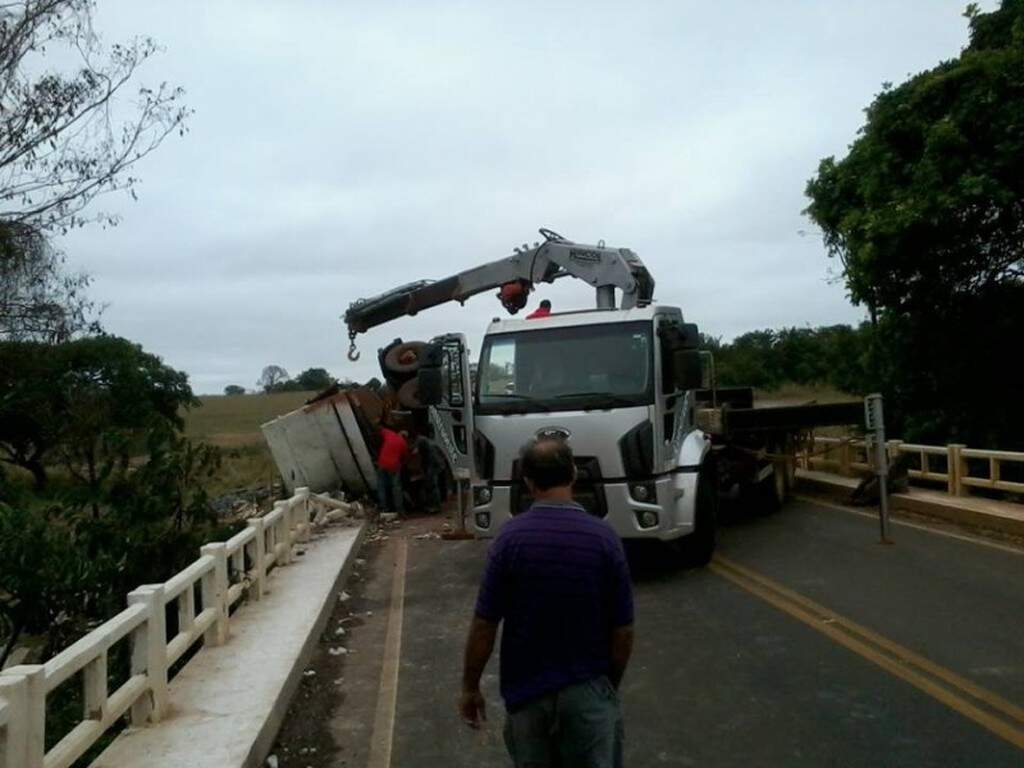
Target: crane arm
(604,268)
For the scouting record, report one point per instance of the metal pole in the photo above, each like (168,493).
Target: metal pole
(875,423)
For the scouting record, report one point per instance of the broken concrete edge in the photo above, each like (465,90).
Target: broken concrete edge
(949,510)
(268,734)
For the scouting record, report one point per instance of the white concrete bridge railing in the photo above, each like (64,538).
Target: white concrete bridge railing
(223,574)
(849,457)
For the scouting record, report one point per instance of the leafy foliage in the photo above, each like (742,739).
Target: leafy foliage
(926,214)
(313,380)
(275,379)
(60,142)
(39,299)
(833,355)
(234,389)
(45,578)
(272,377)
(89,404)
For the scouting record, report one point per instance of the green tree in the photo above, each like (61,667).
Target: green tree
(313,379)
(31,402)
(272,378)
(234,389)
(926,215)
(89,405)
(45,578)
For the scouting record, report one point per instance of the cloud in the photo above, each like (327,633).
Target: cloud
(338,150)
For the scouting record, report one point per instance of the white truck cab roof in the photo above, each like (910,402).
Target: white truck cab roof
(579,317)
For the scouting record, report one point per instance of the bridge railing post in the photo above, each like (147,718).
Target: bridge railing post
(24,689)
(259,565)
(956,470)
(282,533)
(303,505)
(214,588)
(149,654)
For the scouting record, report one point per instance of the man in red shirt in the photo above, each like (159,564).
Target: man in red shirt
(393,449)
(544,310)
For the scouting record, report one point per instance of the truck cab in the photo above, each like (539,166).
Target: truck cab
(606,381)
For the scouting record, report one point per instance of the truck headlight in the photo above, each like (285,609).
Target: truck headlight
(647,518)
(481,495)
(645,492)
(483,519)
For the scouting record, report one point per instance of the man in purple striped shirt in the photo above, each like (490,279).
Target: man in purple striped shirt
(558,578)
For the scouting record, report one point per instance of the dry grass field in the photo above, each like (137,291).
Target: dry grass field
(232,422)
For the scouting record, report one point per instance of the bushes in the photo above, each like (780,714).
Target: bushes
(119,497)
(836,356)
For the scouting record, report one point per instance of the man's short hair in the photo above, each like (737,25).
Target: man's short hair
(547,463)
(545,304)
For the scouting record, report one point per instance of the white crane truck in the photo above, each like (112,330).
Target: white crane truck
(656,444)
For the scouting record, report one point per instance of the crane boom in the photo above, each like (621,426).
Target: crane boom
(604,268)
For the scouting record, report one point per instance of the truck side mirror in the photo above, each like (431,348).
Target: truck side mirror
(688,369)
(430,385)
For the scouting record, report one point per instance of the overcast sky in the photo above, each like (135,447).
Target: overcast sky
(339,149)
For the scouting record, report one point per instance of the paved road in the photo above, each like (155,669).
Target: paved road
(806,644)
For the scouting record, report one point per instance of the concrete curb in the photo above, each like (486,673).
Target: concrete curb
(984,514)
(268,734)
(228,703)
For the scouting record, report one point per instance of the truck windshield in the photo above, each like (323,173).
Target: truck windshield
(585,366)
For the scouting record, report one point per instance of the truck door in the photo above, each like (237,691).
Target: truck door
(452,419)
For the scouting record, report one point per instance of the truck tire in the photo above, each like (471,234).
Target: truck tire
(409,395)
(696,549)
(770,494)
(404,359)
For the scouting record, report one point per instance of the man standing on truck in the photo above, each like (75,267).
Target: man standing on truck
(544,310)
(558,578)
(394,447)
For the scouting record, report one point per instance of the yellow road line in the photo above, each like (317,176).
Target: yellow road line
(917,526)
(387,697)
(901,662)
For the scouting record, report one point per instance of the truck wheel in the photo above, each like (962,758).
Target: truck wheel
(405,358)
(696,549)
(409,395)
(770,494)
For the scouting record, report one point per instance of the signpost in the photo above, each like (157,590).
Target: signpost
(874,423)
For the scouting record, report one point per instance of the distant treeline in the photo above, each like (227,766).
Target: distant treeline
(833,356)
(948,381)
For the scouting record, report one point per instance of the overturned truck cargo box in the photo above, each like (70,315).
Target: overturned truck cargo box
(328,443)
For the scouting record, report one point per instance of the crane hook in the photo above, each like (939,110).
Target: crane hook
(353,353)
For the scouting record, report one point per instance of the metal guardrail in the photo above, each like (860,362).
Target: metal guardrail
(849,457)
(224,572)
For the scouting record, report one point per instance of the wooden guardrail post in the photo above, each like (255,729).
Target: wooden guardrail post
(956,469)
(259,565)
(214,588)
(24,688)
(892,448)
(149,654)
(844,457)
